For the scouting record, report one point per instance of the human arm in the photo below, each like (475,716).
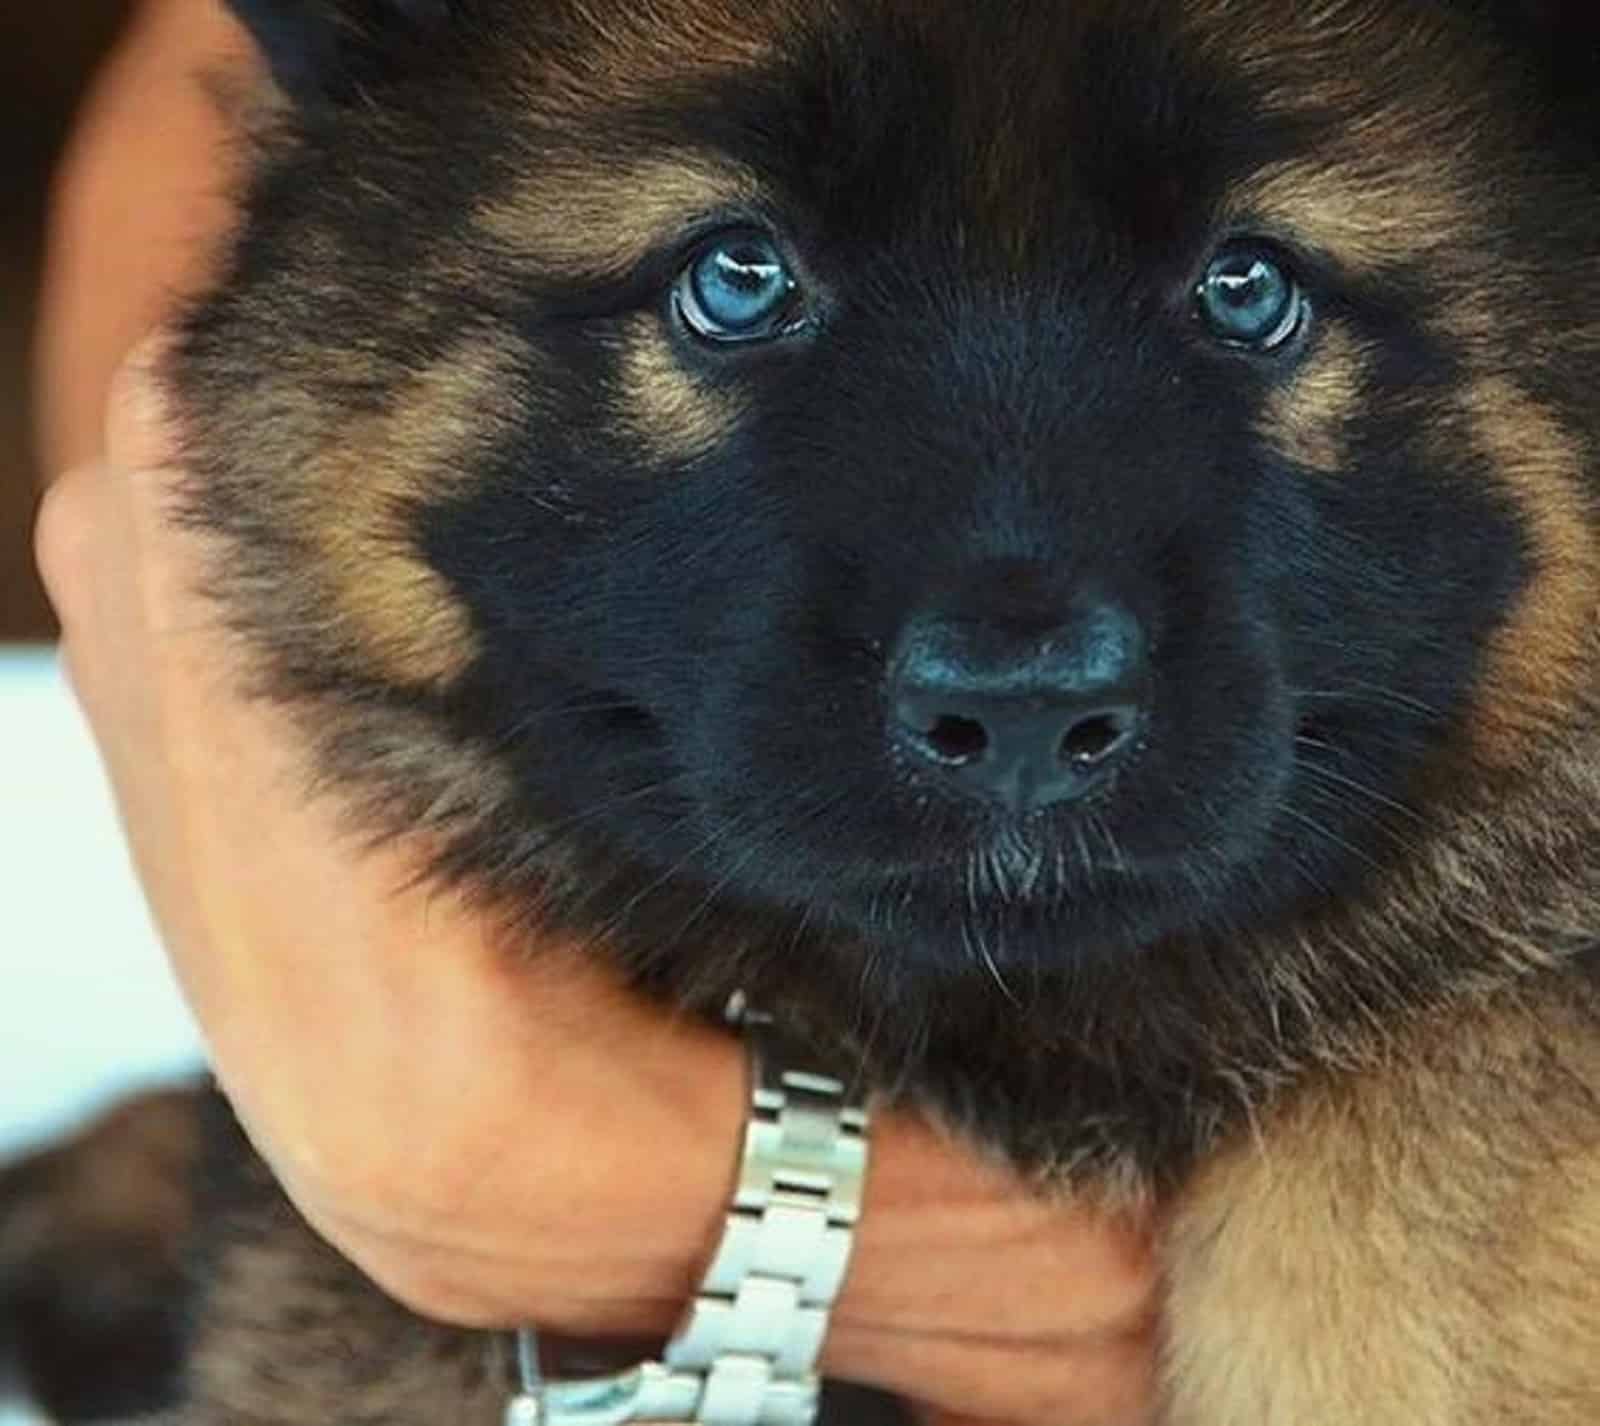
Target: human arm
(461,1121)
(342,1000)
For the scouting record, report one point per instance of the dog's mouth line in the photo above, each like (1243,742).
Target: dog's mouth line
(1039,867)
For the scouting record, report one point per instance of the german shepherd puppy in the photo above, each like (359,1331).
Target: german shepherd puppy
(1056,543)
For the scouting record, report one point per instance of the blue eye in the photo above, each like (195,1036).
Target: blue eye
(739,289)
(1248,298)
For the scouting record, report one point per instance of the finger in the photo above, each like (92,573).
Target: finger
(121,581)
(66,540)
(103,532)
(88,560)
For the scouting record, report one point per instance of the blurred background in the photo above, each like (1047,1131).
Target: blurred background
(47,52)
(87,1010)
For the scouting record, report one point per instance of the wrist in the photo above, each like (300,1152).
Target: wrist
(748,1346)
(923,1190)
(594,1218)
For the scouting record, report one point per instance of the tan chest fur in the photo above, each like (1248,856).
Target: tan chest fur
(1416,1245)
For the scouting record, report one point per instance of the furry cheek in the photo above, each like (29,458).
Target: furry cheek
(1305,420)
(673,418)
(1541,659)
(403,614)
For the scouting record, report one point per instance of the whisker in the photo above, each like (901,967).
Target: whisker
(1329,775)
(551,831)
(1329,835)
(1380,695)
(974,937)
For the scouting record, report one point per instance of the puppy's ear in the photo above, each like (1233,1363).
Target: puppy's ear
(317,50)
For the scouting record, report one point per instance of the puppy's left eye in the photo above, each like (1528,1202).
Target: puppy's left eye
(739,289)
(1250,298)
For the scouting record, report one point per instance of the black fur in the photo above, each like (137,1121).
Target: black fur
(1008,423)
(1357,853)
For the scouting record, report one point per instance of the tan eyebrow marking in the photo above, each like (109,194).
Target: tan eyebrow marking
(672,415)
(1304,418)
(588,219)
(1369,216)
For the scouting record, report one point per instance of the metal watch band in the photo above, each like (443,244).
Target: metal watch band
(745,1353)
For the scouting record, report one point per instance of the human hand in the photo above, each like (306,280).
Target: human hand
(465,1123)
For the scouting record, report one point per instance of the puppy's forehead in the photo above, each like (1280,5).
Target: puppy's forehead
(1008,126)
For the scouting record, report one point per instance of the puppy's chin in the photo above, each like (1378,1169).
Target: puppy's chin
(1011,899)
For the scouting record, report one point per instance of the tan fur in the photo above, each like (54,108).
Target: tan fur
(1387,115)
(667,411)
(1305,419)
(1544,657)
(632,52)
(399,611)
(609,216)
(1410,1247)
(1408,1234)
(1370,212)
(1399,178)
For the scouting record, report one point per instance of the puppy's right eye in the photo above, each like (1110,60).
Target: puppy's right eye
(1250,298)
(739,288)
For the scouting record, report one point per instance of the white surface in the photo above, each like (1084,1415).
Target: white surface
(87,1008)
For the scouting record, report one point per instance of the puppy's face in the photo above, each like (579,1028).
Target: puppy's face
(995,485)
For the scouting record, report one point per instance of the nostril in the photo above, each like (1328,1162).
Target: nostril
(958,741)
(1020,714)
(1092,740)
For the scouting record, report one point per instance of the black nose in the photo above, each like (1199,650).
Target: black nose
(1025,719)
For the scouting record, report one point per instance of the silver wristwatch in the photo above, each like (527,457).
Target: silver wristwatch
(745,1353)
